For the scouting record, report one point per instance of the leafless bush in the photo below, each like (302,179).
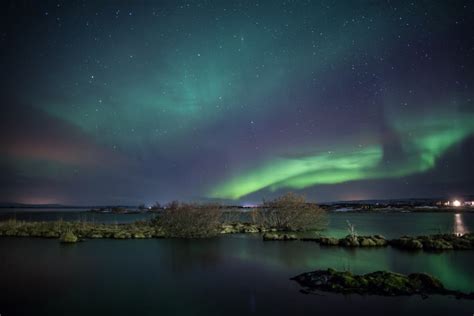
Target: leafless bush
(190,220)
(351,229)
(231,216)
(290,212)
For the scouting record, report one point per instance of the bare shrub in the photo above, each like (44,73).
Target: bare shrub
(255,216)
(231,216)
(291,212)
(352,230)
(190,220)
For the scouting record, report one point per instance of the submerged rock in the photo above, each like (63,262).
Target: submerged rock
(376,283)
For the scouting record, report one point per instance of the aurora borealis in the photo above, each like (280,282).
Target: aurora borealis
(116,102)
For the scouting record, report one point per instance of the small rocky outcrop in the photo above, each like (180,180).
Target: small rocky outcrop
(376,283)
(438,242)
(355,241)
(68,238)
(328,241)
(240,228)
(139,235)
(279,236)
(408,243)
(122,235)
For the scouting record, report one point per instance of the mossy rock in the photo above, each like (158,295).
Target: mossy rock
(69,237)
(51,234)
(376,283)
(251,229)
(380,240)
(139,236)
(469,236)
(11,233)
(239,228)
(414,244)
(425,282)
(371,241)
(462,244)
(367,242)
(278,237)
(329,241)
(408,243)
(437,244)
(36,233)
(349,241)
(158,234)
(228,229)
(96,236)
(122,235)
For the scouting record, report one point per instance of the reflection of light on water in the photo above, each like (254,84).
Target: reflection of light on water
(459,228)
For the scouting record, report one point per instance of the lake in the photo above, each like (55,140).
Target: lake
(231,275)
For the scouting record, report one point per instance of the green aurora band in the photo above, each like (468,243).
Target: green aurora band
(423,141)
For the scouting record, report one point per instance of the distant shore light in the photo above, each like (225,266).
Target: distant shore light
(456,203)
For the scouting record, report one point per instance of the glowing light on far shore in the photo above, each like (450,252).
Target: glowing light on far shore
(456,203)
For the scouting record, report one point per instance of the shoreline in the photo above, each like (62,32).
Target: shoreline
(73,232)
(332,211)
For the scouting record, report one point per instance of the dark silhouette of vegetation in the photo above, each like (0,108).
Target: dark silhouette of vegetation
(190,220)
(290,212)
(157,206)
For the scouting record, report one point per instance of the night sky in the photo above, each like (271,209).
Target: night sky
(109,102)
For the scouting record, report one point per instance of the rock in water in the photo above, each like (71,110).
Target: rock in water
(276,236)
(68,238)
(329,241)
(376,283)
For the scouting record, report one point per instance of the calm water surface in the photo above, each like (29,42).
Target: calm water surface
(232,275)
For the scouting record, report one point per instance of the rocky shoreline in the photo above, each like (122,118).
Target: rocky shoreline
(376,283)
(144,230)
(439,242)
(65,230)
